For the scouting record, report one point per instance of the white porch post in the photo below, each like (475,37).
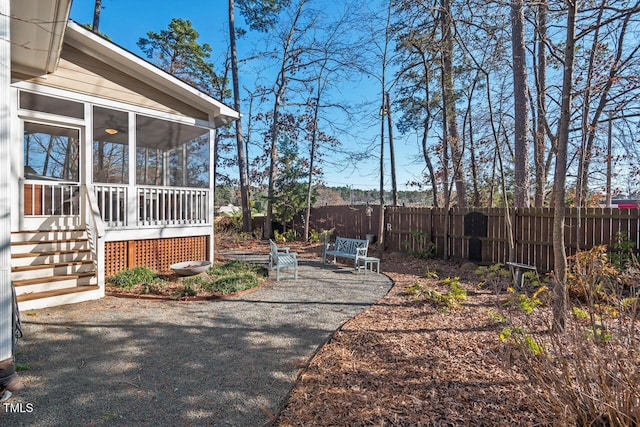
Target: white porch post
(132,190)
(6,299)
(213,134)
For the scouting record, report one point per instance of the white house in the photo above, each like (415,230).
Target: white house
(106,161)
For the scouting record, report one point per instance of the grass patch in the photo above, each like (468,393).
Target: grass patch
(229,278)
(221,279)
(136,276)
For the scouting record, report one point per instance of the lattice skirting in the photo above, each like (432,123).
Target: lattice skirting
(157,254)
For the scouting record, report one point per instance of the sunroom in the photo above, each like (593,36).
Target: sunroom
(115,170)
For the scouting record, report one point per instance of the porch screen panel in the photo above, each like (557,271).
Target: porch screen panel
(51,152)
(110,146)
(171,154)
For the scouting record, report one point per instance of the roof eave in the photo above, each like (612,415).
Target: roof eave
(101,49)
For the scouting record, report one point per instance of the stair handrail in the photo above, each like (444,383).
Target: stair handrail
(96,228)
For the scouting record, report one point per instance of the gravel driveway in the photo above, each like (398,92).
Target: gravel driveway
(229,362)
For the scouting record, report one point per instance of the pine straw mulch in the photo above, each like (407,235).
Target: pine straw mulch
(404,362)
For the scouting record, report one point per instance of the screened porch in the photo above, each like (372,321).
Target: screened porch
(138,170)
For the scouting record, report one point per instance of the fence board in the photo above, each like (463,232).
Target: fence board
(414,228)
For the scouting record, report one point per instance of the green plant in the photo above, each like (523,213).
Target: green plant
(425,248)
(22,367)
(431,274)
(456,290)
(291,235)
(325,235)
(449,300)
(231,277)
(496,317)
(580,313)
(314,236)
(621,251)
(136,276)
(279,237)
(528,304)
(492,274)
(521,339)
(185,291)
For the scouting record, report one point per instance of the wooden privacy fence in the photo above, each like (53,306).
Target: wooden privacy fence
(481,235)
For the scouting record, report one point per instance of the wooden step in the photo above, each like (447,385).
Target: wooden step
(35,281)
(47,266)
(57,292)
(47,242)
(49,253)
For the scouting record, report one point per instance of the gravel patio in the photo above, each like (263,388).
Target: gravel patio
(226,362)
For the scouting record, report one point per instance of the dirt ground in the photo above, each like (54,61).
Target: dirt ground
(404,362)
(410,361)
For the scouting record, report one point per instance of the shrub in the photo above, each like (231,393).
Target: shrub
(426,248)
(450,300)
(136,276)
(590,373)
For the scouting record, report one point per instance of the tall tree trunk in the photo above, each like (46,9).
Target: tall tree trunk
(541,103)
(244,185)
(312,156)
(520,98)
(450,105)
(427,125)
(560,176)
(96,16)
(392,155)
(609,160)
(468,121)
(584,154)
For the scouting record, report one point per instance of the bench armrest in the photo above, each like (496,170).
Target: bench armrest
(284,249)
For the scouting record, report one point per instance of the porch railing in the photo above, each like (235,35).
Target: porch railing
(51,198)
(96,232)
(170,205)
(120,205)
(151,206)
(112,204)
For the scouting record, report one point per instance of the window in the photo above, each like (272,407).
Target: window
(110,146)
(51,152)
(48,104)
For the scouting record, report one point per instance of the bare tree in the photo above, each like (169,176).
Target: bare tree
(242,171)
(448,96)
(288,56)
(96,16)
(520,100)
(559,307)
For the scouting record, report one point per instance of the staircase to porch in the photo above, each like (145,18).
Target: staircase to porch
(51,268)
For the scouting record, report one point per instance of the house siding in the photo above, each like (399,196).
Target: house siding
(80,73)
(6,295)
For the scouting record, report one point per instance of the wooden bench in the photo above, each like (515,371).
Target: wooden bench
(347,248)
(281,258)
(519,269)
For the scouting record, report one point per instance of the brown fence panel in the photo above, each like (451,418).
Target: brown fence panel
(533,231)
(348,221)
(411,229)
(408,229)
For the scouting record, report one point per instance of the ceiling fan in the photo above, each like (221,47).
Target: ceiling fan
(111,126)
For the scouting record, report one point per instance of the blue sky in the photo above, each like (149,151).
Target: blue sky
(125,21)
